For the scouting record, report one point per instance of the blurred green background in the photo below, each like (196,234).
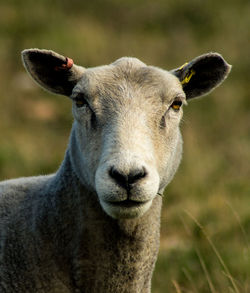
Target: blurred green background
(205,242)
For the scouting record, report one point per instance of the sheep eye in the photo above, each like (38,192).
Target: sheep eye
(80,102)
(176,105)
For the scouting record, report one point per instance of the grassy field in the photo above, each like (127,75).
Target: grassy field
(205,244)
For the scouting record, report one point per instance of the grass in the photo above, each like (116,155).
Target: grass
(219,257)
(199,261)
(207,248)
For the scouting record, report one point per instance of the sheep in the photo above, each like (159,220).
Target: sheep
(94,225)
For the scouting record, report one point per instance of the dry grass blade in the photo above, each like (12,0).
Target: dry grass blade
(239,222)
(210,283)
(215,251)
(190,279)
(239,284)
(177,287)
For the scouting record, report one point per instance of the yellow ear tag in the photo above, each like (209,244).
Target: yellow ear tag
(182,66)
(188,77)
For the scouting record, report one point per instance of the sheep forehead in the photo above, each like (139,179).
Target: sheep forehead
(127,76)
(128,62)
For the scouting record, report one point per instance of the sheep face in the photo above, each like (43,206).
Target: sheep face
(125,143)
(128,144)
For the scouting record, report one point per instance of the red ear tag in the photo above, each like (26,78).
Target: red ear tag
(67,66)
(69,63)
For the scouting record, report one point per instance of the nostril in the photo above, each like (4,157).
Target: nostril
(120,178)
(136,175)
(126,180)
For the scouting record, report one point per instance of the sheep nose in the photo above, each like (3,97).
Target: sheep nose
(125,180)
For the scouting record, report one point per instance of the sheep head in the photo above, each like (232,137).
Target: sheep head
(126,143)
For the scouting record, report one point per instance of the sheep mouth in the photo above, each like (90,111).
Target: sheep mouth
(126,209)
(128,203)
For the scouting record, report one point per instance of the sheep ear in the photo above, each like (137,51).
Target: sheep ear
(52,71)
(202,74)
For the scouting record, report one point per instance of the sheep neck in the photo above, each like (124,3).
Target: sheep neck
(101,250)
